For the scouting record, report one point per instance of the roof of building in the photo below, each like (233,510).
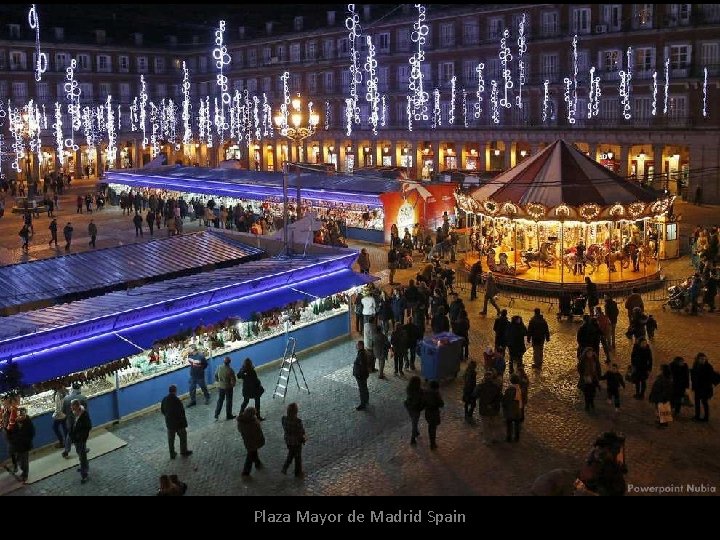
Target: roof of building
(33,284)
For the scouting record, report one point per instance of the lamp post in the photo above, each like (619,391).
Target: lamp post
(296,126)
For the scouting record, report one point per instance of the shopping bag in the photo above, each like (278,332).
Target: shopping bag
(664,412)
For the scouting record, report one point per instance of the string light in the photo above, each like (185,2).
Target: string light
(112,139)
(186,114)
(208,123)
(119,123)
(409,113)
(494,102)
(667,84)
(352,23)
(593,95)
(654,93)
(16,129)
(327,114)
(349,106)
(522,49)
(222,59)
(284,107)
(3,115)
(705,79)
(505,58)
(569,101)
(546,100)
(143,105)
(480,70)
(87,127)
(72,93)
(453,94)
(267,117)
(436,118)
(418,96)
(155,127)
(256,117)
(625,87)
(383,116)
(41,60)
(464,108)
(372,96)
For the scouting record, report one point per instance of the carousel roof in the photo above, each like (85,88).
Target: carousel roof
(562,182)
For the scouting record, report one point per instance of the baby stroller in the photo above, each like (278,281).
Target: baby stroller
(678,298)
(570,306)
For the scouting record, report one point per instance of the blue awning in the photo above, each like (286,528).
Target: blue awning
(91,352)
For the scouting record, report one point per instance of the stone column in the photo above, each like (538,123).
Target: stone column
(624,167)
(508,154)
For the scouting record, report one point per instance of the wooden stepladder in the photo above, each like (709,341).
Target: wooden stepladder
(288,367)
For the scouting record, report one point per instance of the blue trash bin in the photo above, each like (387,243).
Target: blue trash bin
(440,356)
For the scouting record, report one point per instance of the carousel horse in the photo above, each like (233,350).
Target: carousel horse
(543,257)
(594,257)
(501,267)
(616,256)
(632,252)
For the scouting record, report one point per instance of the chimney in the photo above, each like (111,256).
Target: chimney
(331,18)
(269,27)
(138,37)
(366,12)
(241,32)
(298,23)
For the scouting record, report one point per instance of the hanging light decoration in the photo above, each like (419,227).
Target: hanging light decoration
(705,86)
(654,93)
(569,101)
(222,60)
(453,96)
(72,93)
(16,129)
(667,85)
(522,49)
(327,114)
(256,117)
(495,105)
(267,117)
(134,114)
(186,113)
(371,80)
(352,23)
(480,70)
(625,86)
(143,113)
(41,60)
(505,59)
(349,107)
(57,126)
(419,97)
(409,112)
(593,95)
(155,128)
(546,100)
(464,108)
(383,109)
(3,115)
(110,126)
(436,116)
(208,123)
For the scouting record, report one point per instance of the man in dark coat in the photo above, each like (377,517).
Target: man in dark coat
(79,435)
(489,399)
(612,311)
(515,336)
(703,378)
(361,374)
(475,277)
(20,439)
(175,421)
(198,364)
(681,382)
(500,329)
(67,233)
(538,333)
(412,335)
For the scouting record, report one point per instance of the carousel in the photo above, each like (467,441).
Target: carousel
(559,217)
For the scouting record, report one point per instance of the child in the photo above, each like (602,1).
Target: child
(614,382)
(651,326)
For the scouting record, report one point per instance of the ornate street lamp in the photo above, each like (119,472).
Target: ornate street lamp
(296,126)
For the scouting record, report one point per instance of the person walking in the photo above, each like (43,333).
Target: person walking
(490,294)
(25,236)
(198,364)
(588,368)
(252,389)
(20,439)
(294,439)
(489,398)
(641,361)
(92,232)
(381,346)
(137,221)
(475,278)
(703,377)
(469,385)
(226,380)
(515,336)
(59,426)
(79,434)
(414,404)
(248,424)
(364,261)
(614,380)
(75,394)
(633,301)
(661,394)
(512,409)
(612,311)
(150,219)
(53,232)
(67,233)
(681,382)
(173,410)
(433,402)
(538,333)
(79,201)
(591,293)
(361,373)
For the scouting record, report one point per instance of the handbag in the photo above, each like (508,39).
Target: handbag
(664,412)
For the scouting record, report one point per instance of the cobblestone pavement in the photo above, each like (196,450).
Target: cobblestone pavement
(367,453)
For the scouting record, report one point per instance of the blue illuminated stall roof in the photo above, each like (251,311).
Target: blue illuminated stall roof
(91,351)
(45,281)
(258,185)
(49,327)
